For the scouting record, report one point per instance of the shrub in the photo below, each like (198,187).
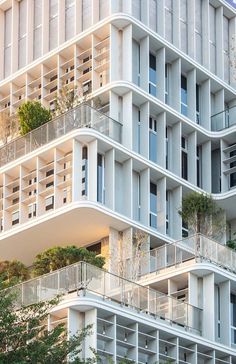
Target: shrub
(59,257)
(32,115)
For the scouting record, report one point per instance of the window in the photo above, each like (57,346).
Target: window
(212,40)
(84,171)
(32,210)
(197,104)
(1,224)
(232,165)
(233,318)
(152,139)
(153,14)
(199,166)
(53,24)
(69,19)
(95,248)
(184,96)
(184,158)
(152,75)
(7,42)
(167,148)
(38,11)
(169,20)
(183,26)
(198,30)
(22,32)
(49,203)
(15,218)
(100,179)
(218,307)
(153,205)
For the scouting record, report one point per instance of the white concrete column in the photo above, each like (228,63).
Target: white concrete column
(78,16)
(192,158)
(161,205)
(161,139)
(206,166)
(113,252)
(224,167)
(232,53)
(206,104)
(191,87)
(128,196)
(161,17)
(145,196)
(62,22)
(144,129)
(144,64)
(90,340)
(92,170)
(191,27)
(14,35)
(127,53)
(219,42)
(74,325)
(110,179)
(208,295)
(176,23)
(45,26)
(225,310)
(2,20)
(127,6)
(175,84)
(30,32)
(115,45)
(127,131)
(160,66)
(205,34)
(175,218)
(176,148)
(76,171)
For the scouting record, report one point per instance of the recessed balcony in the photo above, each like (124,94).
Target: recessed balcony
(224,119)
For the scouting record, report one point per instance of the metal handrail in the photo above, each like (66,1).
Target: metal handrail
(86,277)
(81,116)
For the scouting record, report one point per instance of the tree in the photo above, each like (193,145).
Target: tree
(59,257)
(25,338)
(202,215)
(12,272)
(32,115)
(67,99)
(9,127)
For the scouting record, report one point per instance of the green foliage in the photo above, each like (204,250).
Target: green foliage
(32,115)
(12,272)
(202,215)
(24,337)
(59,257)
(231,244)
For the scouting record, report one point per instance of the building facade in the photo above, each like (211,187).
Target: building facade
(110,175)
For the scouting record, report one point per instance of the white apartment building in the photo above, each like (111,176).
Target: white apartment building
(162,123)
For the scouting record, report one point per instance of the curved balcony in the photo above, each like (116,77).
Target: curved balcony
(102,284)
(83,116)
(224,119)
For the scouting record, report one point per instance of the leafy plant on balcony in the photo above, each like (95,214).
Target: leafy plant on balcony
(32,115)
(25,338)
(202,215)
(68,99)
(59,257)
(12,272)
